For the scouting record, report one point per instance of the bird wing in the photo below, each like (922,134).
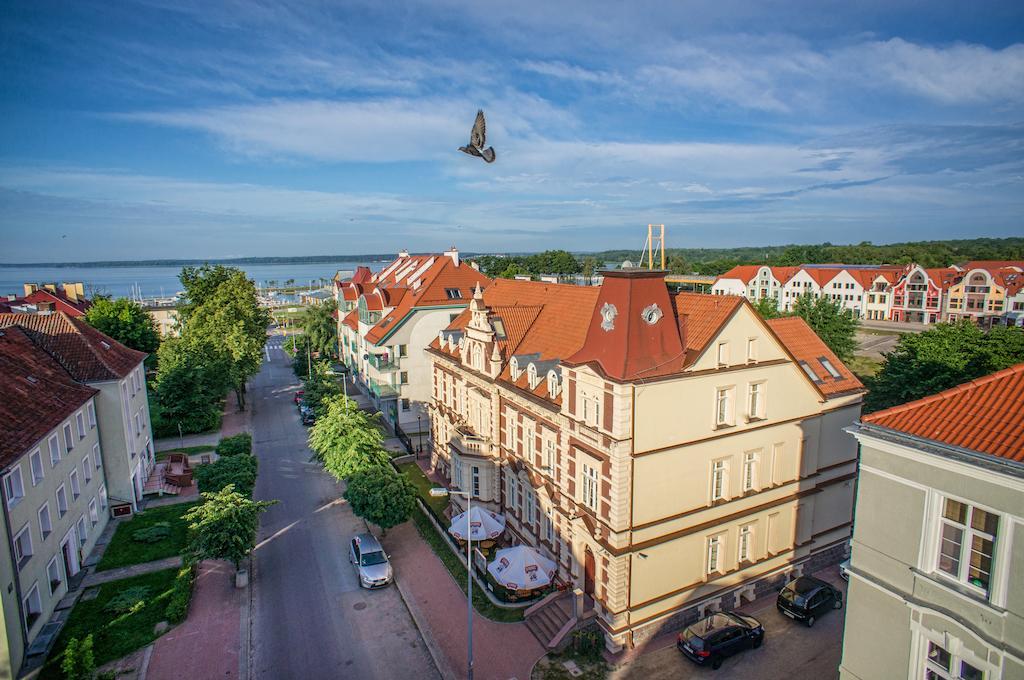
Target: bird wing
(488,154)
(478,137)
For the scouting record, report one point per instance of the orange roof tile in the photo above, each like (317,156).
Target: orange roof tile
(352,319)
(983,415)
(805,346)
(743,272)
(702,316)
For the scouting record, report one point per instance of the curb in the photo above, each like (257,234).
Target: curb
(146,657)
(245,626)
(444,669)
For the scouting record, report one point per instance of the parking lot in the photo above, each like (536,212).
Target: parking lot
(791,650)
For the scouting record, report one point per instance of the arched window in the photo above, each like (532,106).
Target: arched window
(514,369)
(532,375)
(553,387)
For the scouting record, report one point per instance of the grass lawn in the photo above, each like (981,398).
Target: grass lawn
(863,366)
(114,635)
(188,450)
(123,550)
(423,485)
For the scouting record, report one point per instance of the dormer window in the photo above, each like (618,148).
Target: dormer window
(453,293)
(832,371)
(553,386)
(531,372)
(514,369)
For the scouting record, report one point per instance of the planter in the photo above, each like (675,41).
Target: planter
(241,578)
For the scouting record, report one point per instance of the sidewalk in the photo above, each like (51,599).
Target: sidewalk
(98,577)
(500,650)
(206,644)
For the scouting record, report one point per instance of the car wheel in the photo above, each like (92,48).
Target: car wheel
(810,621)
(838,604)
(757,642)
(716,664)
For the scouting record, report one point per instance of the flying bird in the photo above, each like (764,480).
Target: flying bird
(477,139)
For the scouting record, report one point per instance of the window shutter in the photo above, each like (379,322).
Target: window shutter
(572,396)
(609,407)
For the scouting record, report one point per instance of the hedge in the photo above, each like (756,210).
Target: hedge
(236,445)
(181,593)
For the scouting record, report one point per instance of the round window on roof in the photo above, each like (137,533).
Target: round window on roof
(651,314)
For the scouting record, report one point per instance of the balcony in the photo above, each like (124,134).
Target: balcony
(382,362)
(465,440)
(382,390)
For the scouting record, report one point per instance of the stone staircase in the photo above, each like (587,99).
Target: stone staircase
(551,622)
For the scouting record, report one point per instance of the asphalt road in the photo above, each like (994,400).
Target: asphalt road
(310,618)
(791,650)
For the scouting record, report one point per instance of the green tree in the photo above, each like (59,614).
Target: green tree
(78,662)
(223,526)
(321,328)
(381,496)
(836,326)
(200,284)
(939,358)
(767,307)
(320,388)
(678,264)
(589,266)
(239,472)
(511,271)
(192,376)
(346,440)
(126,321)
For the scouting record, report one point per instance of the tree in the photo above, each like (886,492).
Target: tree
(320,327)
(677,264)
(511,271)
(346,440)
(835,326)
(126,321)
(942,357)
(381,496)
(78,662)
(320,388)
(201,283)
(192,376)
(589,266)
(239,472)
(223,526)
(767,307)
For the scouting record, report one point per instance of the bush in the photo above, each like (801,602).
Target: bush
(236,445)
(237,470)
(128,601)
(588,644)
(78,662)
(152,534)
(181,593)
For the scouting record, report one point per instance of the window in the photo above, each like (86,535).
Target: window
(96,456)
(33,606)
(54,451)
(45,525)
(966,541)
(530,503)
(405,404)
(23,546)
(82,531)
(457,472)
(549,525)
(714,550)
(590,409)
(810,372)
(717,480)
(403,378)
(749,470)
(723,353)
(94,515)
(475,471)
(940,664)
(549,456)
(53,574)
(76,490)
(103,497)
(755,401)
(589,486)
(69,442)
(453,293)
(87,468)
(14,487)
(80,424)
(403,351)
(36,463)
(830,368)
(138,425)
(751,349)
(62,501)
(746,542)
(92,415)
(723,407)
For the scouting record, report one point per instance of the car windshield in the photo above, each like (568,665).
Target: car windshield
(790,595)
(370,559)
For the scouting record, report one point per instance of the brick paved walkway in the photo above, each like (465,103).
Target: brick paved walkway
(500,650)
(206,645)
(99,577)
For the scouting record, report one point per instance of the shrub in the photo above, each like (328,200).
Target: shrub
(233,446)
(237,470)
(152,534)
(181,593)
(588,644)
(128,601)
(78,662)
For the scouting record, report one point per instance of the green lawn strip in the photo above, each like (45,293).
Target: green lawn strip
(864,367)
(114,635)
(188,450)
(480,602)
(423,486)
(124,550)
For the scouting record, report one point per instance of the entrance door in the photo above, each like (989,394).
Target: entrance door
(70,554)
(588,572)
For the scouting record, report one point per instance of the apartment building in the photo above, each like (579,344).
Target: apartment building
(987,293)
(935,578)
(673,454)
(96,360)
(387,319)
(54,490)
(47,298)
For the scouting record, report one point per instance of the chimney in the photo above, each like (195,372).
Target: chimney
(52,287)
(69,291)
(45,308)
(403,253)
(30,288)
(453,253)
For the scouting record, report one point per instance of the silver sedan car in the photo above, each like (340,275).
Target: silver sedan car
(370,561)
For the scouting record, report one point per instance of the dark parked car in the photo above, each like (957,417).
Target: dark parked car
(807,598)
(712,639)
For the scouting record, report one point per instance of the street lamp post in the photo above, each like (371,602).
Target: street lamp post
(419,434)
(441,491)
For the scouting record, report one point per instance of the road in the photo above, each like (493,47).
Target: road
(310,618)
(791,651)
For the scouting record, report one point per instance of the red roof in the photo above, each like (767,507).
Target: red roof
(702,316)
(62,303)
(38,394)
(983,415)
(84,352)
(352,320)
(993,265)
(804,344)
(743,272)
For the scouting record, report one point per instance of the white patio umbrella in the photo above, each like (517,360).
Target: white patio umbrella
(483,524)
(521,568)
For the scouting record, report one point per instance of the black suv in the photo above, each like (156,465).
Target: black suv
(712,639)
(806,598)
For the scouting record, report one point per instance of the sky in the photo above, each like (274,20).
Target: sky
(194,129)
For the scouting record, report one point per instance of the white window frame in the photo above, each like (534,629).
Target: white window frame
(92,415)
(714,555)
(94,515)
(103,497)
(750,460)
(531,501)
(722,354)
(82,529)
(44,509)
(14,486)
(97,455)
(86,469)
(719,486)
(69,438)
(474,472)
(80,424)
(53,564)
(755,401)
(956,662)
(746,543)
(550,454)
(549,525)
(22,555)
(967,536)
(724,406)
(751,350)
(34,458)
(76,487)
(590,485)
(61,491)
(30,607)
(53,446)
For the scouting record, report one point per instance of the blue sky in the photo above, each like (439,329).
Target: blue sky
(173,128)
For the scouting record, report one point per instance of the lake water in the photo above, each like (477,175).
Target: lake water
(161,281)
